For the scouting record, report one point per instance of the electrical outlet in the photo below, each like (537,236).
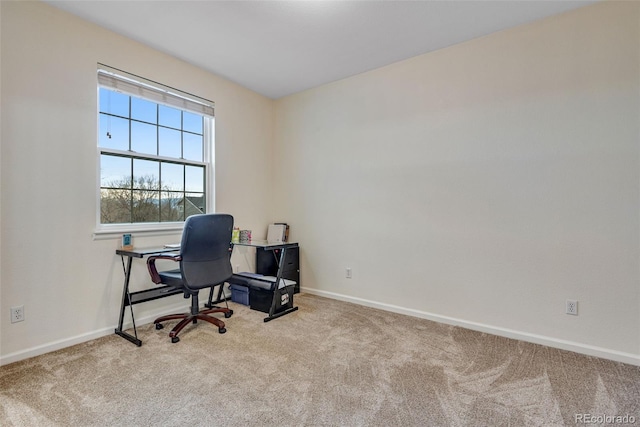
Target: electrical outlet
(237,268)
(348,273)
(17,314)
(572,307)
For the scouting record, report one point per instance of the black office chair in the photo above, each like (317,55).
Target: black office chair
(205,262)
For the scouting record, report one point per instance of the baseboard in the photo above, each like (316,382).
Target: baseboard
(588,350)
(53,346)
(78,339)
(632,359)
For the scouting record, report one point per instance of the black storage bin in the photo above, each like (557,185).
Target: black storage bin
(260,299)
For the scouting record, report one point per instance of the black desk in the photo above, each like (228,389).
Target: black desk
(158,291)
(278,292)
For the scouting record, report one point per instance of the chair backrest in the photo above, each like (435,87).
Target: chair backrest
(204,249)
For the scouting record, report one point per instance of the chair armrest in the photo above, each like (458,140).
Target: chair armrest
(151,265)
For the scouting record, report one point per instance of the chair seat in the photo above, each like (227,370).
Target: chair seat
(171,278)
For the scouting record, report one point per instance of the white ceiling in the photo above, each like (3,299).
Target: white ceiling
(277,48)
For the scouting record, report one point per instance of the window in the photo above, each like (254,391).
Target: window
(155,151)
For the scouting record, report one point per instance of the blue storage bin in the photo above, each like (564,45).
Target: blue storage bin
(240,294)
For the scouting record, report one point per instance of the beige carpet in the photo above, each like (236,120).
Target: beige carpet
(329,364)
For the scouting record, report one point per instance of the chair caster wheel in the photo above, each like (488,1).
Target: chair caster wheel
(175,340)
(227,315)
(222,330)
(159,326)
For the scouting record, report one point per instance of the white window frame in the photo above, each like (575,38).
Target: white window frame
(132,85)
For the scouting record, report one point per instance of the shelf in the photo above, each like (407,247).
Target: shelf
(151,294)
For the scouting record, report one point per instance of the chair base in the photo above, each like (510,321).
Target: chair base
(187,318)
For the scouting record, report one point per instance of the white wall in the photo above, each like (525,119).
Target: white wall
(482,185)
(69,283)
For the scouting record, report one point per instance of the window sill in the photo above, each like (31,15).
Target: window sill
(115,231)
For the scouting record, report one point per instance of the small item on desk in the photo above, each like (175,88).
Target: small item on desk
(276,233)
(127,242)
(235,235)
(245,236)
(172,246)
(285,237)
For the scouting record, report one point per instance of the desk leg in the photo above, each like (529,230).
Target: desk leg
(126,300)
(210,303)
(276,291)
(282,313)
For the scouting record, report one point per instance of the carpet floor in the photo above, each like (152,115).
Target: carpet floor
(331,363)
